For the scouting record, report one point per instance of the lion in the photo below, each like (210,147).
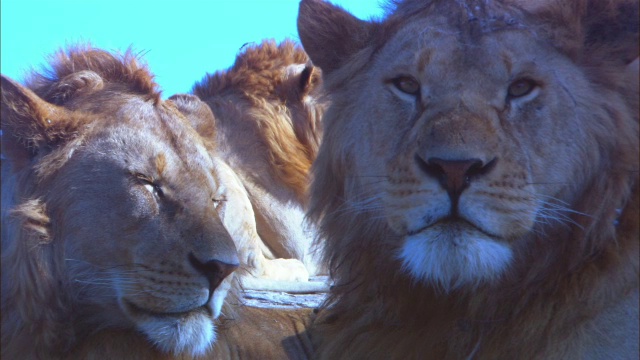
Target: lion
(109,212)
(477,182)
(267,109)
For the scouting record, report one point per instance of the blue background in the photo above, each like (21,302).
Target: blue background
(181,40)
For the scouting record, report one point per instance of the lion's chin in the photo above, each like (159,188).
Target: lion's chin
(454,255)
(191,332)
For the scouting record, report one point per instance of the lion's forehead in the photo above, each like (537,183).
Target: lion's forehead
(153,142)
(432,50)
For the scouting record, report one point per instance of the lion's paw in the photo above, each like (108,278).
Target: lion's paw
(285,270)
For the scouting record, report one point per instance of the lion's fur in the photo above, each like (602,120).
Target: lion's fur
(99,177)
(267,111)
(253,333)
(571,291)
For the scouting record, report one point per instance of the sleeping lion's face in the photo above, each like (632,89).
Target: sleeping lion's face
(144,246)
(478,139)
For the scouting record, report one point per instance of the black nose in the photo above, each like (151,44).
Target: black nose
(214,270)
(454,175)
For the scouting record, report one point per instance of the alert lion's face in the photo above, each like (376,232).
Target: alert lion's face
(464,147)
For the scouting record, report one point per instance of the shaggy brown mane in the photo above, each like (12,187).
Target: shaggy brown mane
(60,82)
(571,270)
(256,71)
(257,77)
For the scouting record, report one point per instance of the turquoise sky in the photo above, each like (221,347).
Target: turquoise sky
(182,39)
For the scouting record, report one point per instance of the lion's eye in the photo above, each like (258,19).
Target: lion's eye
(217,201)
(521,87)
(158,190)
(154,189)
(150,185)
(407,85)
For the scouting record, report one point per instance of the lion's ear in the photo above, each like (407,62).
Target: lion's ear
(591,30)
(198,113)
(29,124)
(71,85)
(309,79)
(300,80)
(330,34)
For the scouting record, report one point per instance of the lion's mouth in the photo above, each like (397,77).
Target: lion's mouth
(454,223)
(138,311)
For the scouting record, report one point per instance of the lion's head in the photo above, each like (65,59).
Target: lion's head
(109,211)
(474,149)
(270,94)
(267,109)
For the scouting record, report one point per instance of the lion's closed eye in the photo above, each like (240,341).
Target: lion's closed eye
(149,184)
(217,201)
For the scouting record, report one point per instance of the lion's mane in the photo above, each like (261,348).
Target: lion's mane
(572,269)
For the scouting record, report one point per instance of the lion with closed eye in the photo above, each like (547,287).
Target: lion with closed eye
(113,244)
(477,183)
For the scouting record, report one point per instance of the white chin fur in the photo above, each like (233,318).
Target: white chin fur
(193,334)
(450,259)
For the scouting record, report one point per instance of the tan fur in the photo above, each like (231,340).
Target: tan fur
(108,208)
(550,227)
(266,128)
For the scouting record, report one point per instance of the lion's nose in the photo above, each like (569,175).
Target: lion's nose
(214,270)
(455,175)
